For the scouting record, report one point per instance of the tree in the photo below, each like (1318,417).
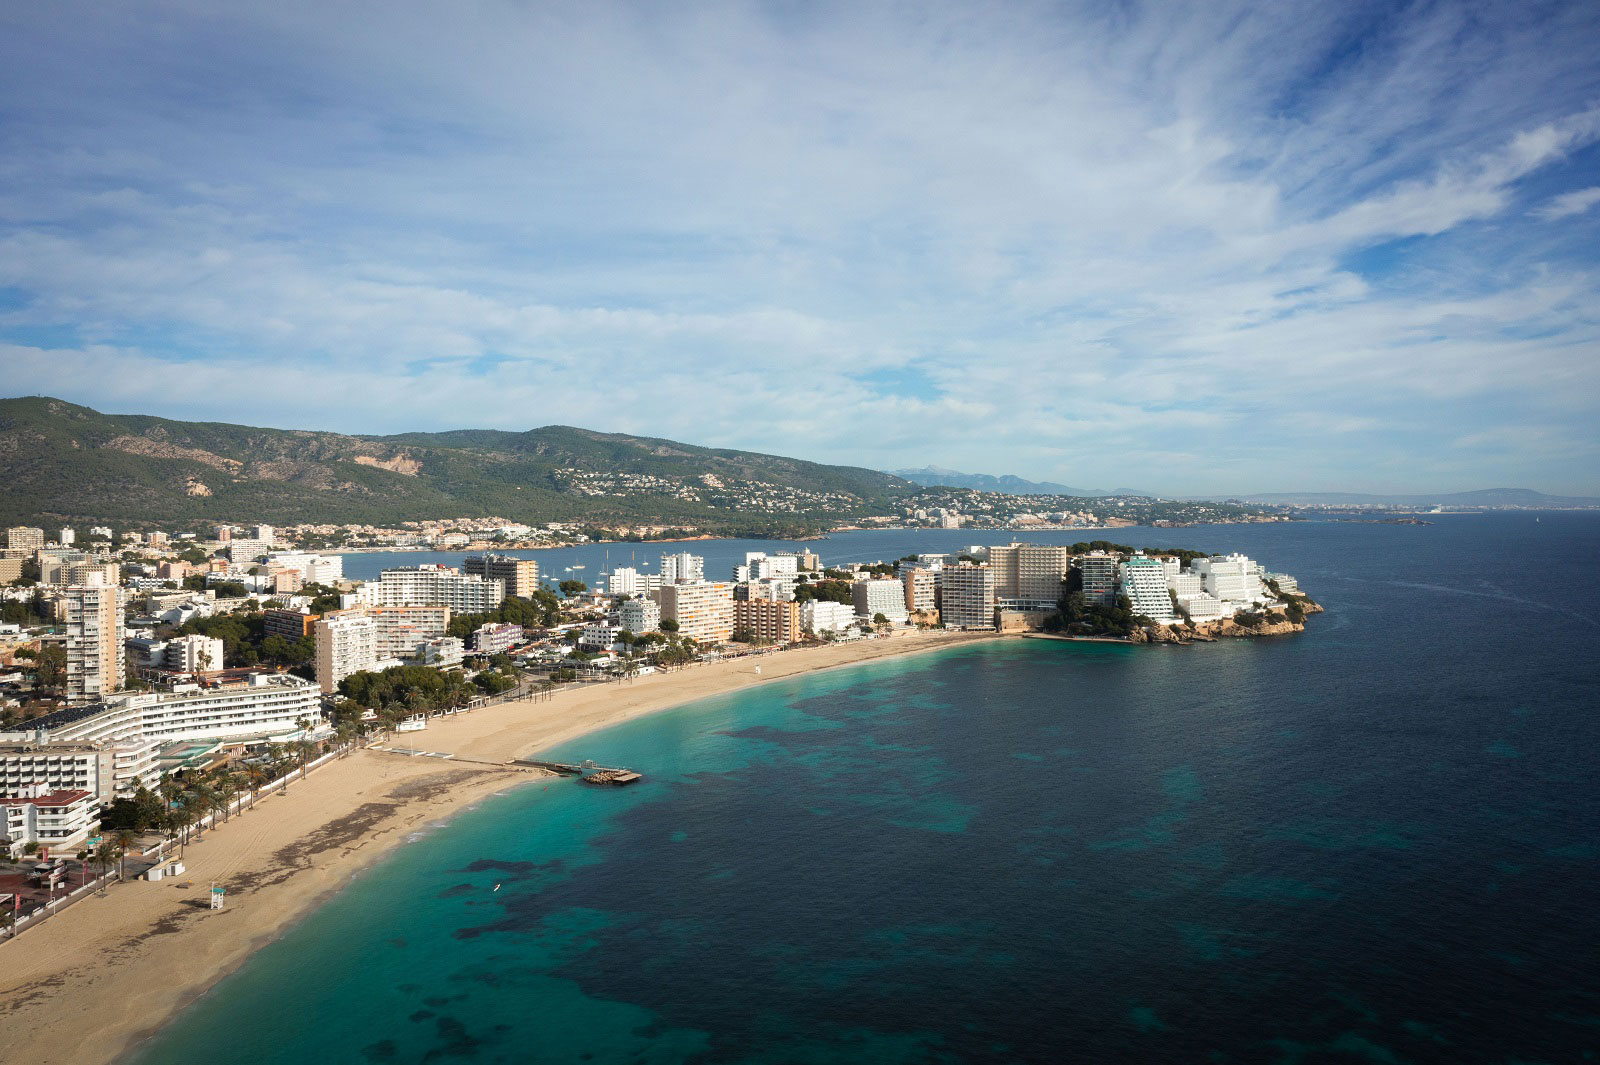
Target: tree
(572,588)
(880,621)
(669,625)
(123,839)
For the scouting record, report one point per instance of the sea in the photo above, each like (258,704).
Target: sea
(1375,841)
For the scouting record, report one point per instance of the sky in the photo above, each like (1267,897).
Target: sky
(1192,248)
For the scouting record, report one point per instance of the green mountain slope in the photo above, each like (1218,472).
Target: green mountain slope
(63,462)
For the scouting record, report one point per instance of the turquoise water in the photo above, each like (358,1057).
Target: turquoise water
(1374,842)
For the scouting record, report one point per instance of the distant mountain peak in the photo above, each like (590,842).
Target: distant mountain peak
(1008,483)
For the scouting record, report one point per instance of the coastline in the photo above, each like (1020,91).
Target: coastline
(89,984)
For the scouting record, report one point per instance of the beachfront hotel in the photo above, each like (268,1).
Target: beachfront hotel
(703,611)
(260,706)
(966,598)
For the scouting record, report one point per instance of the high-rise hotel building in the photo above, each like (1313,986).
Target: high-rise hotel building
(95,663)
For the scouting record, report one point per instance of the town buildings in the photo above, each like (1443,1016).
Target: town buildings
(24,538)
(625,580)
(400,630)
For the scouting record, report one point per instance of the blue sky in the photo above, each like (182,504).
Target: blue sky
(1197,248)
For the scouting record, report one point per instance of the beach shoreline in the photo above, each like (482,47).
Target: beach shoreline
(91,983)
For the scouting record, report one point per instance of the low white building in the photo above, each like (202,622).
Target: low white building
(886,596)
(597,638)
(59,821)
(108,770)
(1203,607)
(820,616)
(264,704)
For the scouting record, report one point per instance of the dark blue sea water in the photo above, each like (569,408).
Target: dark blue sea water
(1377,841)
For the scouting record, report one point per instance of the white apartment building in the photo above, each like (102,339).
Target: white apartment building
(95,661)
(346,644)
(58,820)
(820,616)
(441,653)
(110,770)
(67,537)
(885,596)
(626,580)
(758,565)
(246,550)
(639,616)
(1230,578)
(1203,607)
(192,654)
(264,704)
(703,611)
(1186,584)
(966,597)
(1286,584)
(683,568)
(313,568)
(598,637)
(426,585)
(24,538)
(1144,582)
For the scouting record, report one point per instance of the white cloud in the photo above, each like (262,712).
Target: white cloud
(1568,203)
(971,236)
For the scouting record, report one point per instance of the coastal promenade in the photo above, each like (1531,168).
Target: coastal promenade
(93,980)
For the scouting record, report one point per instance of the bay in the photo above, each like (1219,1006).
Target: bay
(1374,841)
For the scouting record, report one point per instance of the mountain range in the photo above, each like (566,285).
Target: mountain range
(932,476)
(60,462)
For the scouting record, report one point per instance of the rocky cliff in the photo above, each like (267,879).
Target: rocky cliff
(1275,623)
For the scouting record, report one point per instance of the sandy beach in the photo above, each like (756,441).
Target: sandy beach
(92,981)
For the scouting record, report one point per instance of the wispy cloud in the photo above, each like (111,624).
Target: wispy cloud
(1225,247)
(1568,203)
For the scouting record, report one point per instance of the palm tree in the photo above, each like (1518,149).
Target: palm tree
(256,776)
(199,804)
(123,838)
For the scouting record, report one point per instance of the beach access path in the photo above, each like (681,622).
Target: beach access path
(87,984)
